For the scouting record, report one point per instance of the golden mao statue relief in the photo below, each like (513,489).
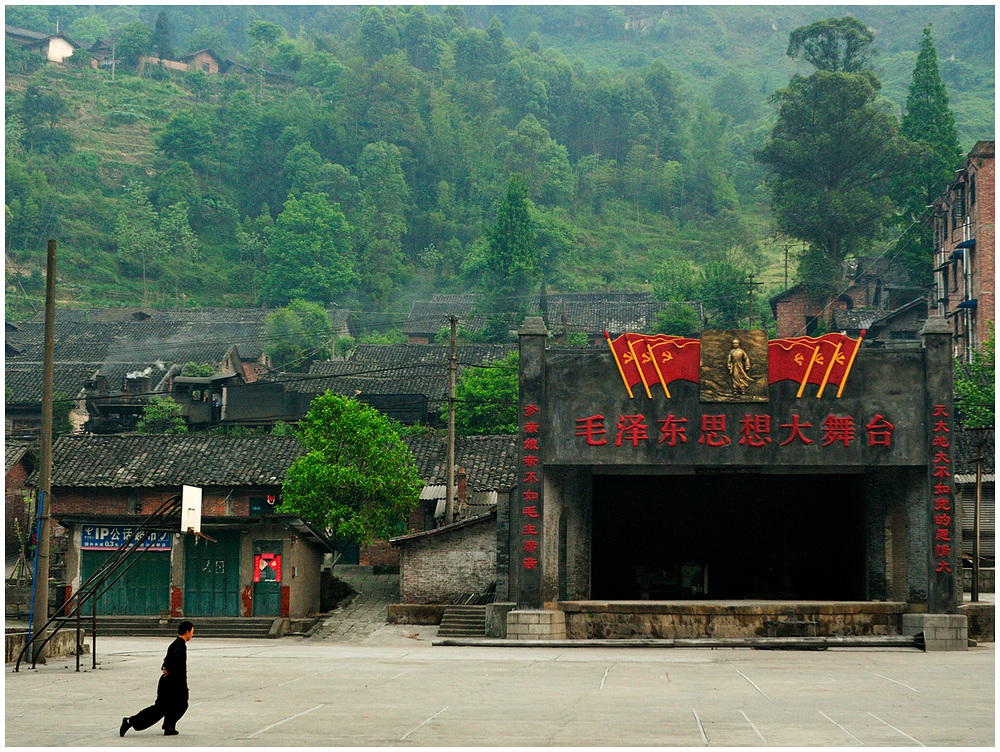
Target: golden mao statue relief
(733,365)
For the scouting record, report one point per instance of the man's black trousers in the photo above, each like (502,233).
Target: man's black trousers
(171,703)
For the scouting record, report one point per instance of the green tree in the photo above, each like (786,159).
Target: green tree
(298,334)
(678,319)
(382,219)
(182,249)
(138,238)
(376,38)
(511,256)
(833,154)
(486,399)
(88,29)
(211,38)
(134,40)
(310,254)
(724,292)
(934,153)
(975,385)
(161,38)
(161,415)
(188,137)
(198,369)
(357,481)
(836,44)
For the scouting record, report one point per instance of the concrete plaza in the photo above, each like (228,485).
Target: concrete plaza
(393,688)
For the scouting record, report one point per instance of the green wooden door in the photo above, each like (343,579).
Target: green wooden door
(267,578)
(212,576)
(143,590)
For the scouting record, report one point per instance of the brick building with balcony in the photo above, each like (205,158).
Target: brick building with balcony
(965,250)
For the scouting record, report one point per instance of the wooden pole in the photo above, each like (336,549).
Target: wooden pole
(41,611)
(449,507)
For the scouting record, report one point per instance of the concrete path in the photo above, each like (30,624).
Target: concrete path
(365,613)
(398,690)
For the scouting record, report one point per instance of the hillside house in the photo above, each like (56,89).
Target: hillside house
(965,249)
(55,48)
(204,60)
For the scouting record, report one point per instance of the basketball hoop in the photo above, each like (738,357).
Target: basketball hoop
(191,513)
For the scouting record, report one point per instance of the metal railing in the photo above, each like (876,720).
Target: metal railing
(103,579)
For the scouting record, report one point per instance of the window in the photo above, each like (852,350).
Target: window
(959,205)
(262,505)
(206,67)
(902,335)
(972,189)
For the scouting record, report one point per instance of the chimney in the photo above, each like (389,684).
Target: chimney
(137,385)
(462,481)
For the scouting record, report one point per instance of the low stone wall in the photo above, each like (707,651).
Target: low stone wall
(415,613)
(691,619)
(62,644)
(987,580)
(982,620)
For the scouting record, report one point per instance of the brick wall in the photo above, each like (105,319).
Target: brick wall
(461,560)
(986,241)
(379,554)
(793,311)
(141,502)
(14,508)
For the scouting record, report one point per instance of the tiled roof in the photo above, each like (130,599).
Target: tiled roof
(590,312)
(147,460)
(139,460)
(23,381)
(13,451)
(490,462)
(28,34)
(117,348)
(396,369)
(967,450)
(856,318)
(402,540)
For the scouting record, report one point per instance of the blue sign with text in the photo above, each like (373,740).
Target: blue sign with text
(110,537)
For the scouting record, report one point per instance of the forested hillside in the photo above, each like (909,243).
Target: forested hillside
(360,156)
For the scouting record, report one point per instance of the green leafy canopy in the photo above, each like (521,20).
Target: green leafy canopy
(357,481)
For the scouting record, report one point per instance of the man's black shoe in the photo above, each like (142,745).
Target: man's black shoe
(170,732)
(124,727)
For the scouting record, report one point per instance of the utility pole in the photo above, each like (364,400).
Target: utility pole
(40,614)
(751,285)
(975,520)
(449,507)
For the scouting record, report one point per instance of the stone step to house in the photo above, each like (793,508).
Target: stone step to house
(463,621)
(152,626)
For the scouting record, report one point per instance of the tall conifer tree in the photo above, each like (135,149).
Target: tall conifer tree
(929,126)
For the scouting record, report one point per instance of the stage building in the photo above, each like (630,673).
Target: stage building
(673,487)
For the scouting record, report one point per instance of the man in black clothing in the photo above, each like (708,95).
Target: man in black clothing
(172,690)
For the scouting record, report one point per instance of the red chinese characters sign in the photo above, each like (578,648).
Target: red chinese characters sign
(942,508)
(531,489)
(712,430)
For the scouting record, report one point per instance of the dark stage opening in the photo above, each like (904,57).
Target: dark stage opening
(738,536)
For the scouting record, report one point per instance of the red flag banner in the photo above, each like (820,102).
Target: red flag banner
(624,360)
(655,359)
(676,358)
(823,361)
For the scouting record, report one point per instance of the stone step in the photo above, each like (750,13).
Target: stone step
(463,621)
(152,626)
